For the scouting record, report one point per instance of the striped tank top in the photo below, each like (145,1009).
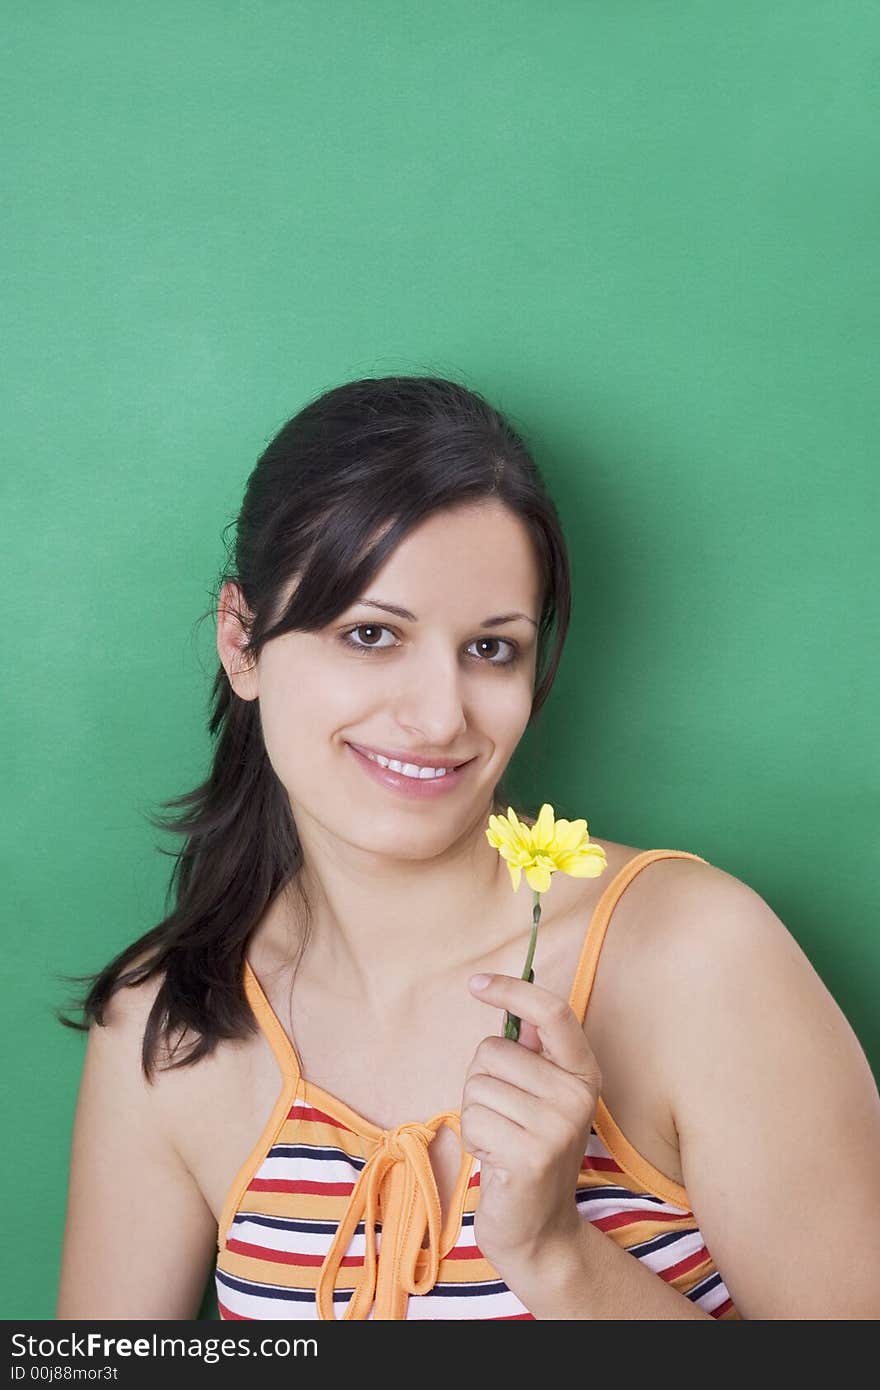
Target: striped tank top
(328,1215)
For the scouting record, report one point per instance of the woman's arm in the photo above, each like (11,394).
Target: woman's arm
(777,1112)
(778,1119)
(139,1236)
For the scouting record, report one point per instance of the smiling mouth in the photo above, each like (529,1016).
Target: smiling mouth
(384,760)
(414,771)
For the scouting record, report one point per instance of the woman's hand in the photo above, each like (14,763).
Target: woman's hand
(526,1113)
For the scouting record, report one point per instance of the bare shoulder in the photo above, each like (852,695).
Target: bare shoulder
(714,942)
(685,913)
(116,1050)
(126,1013)
(114,1057)
(708,927)
(131,1199)
(772,1098)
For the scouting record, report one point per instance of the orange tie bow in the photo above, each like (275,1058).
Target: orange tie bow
(398,1180)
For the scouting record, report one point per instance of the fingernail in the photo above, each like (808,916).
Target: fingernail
(479,981)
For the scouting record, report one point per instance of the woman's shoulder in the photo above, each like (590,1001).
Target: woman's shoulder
(769,1091)
(134,1033)
(684,927)
(182,1089)
(670,888)
(127,1009)
(129,1187)
(728,977)
(701,912)
(678,883)
(700,927)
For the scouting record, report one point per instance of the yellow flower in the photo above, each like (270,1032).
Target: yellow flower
(540,850)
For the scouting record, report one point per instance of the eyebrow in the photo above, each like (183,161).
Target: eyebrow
(411,617)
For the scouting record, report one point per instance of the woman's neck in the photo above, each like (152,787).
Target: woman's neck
(379,940)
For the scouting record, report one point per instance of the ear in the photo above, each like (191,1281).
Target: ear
(233,615)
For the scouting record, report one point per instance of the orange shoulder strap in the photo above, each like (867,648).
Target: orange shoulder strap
(589,957)
(280,1043)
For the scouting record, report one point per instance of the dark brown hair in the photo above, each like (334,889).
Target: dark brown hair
(369,458)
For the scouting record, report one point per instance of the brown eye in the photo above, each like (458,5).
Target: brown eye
(372,628)
(510,660)
(489,642)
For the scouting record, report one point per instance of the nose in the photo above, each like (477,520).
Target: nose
(431,701)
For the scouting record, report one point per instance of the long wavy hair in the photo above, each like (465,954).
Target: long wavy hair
(369,458)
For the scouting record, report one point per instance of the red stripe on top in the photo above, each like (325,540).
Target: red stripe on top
(464,1252)
(286,1257)
(631,1218)
(722,1308)
(690,1262)
(228,1313)
(311,1112)
(326,1189)
(601,1165)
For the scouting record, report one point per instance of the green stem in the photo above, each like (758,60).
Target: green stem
(511,1022)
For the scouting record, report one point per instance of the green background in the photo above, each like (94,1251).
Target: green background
(647,231)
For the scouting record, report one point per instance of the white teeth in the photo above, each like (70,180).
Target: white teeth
(408,769)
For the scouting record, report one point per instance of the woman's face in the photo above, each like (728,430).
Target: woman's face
(442,684)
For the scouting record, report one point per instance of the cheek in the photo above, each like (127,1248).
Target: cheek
(302,706)
(503,708)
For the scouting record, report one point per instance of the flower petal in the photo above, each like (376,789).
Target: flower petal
(542,830)
(538,877)
(501,832)
(569,834)
(588,862)
(522,835)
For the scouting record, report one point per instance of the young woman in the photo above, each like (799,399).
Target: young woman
(291,1080)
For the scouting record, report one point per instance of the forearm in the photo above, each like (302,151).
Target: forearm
(590,1277)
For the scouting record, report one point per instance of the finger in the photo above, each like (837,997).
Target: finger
(491,1137)
(529,1036)
(556,1025)
(530,1072)
(523,1108)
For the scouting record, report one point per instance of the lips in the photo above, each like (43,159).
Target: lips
(410,758)
(411,788)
